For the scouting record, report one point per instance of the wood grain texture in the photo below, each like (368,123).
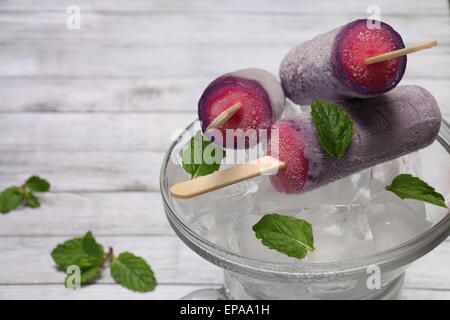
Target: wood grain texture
(68,60)
(93,111)
(173,262)
(84,171)
(163,292)
(105,214)
(218,27)
(138,95)
(399,7)
(425,294)
(96,292)
(90,132)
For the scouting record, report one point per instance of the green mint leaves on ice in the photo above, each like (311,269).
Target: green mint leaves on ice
(13,197)
(89,256)
(406,186)
(201,157)
(286,234)
(334,126)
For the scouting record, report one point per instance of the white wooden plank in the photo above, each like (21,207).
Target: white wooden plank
(95,292)
(28,260)
(132,95)
(425,294)
(97,132)
(172,261)
(84,171)
(400,7)
(52,58)
(39,43)
(102,95)
(431,271)
(162,292)
(93,132)
(105,214)
(218,28)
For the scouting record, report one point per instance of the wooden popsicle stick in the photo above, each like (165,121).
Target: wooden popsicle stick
(224,116)
(400,52)
(223,178)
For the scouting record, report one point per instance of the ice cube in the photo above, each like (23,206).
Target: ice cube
(237,198)
(352,189)
(394,221)
(382,175)
(340,232)
(242,240)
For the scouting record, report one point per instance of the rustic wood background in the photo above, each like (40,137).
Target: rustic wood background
(93,110)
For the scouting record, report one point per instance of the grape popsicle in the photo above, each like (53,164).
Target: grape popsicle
(389,126)
(332,66)
(259,95)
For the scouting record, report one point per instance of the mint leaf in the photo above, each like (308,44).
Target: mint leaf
(286,234)
(31,200)
(37,184)
(10,199)
(78,252)
(70,253)
(201,157)
(13,197)
(88,274)
(127,269)
(133,273)
(406,186)
(334,126)
(91,247)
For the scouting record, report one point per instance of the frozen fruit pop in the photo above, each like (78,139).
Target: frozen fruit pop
(332,66)
(261,100)
(387,127)
(401,121)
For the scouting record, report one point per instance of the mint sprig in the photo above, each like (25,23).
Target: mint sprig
(334,126)
(406,186)
(127,269)
(201,157)
(286,234)
(11,198)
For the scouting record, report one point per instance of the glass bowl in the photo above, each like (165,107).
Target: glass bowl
(247,278)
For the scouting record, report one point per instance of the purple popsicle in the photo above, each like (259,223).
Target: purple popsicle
(389,126)
(260,95)
(331,65)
